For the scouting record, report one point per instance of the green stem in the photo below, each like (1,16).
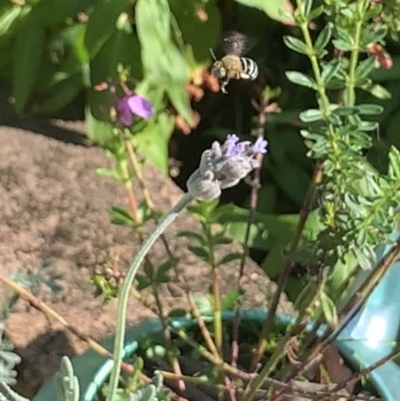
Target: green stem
(325,103)
(355,52)
(125,290)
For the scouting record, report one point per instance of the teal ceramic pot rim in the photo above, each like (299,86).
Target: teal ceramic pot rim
(93,370)
(104,371)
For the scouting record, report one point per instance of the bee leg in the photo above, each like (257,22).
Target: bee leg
(223,86)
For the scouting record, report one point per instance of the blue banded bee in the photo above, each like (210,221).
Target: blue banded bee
(233,65)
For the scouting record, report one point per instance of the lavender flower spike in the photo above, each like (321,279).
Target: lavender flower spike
(224,166)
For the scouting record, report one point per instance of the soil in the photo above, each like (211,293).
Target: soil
(54,210)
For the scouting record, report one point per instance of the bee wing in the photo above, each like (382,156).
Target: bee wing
(237,44)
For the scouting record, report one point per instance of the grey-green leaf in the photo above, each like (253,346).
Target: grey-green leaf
(310,115)
(323,38)
(300,79)
(329,310)
(330,70)
(295,44)
(370,109)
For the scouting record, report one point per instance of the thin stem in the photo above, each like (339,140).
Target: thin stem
(123,167)
(329,336)
(147,198)
(149,266)
(215,360)
(279,351)
(282,280)
(355,53)
(217,311)
(125,290)
(136,168)
(363,372)
(173,360)
(255,185)
(51,313)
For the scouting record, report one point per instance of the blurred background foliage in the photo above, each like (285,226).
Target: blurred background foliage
(55,52)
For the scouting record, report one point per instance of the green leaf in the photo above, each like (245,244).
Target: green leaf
(323,38)
(310,115)
(306,7)
(370,109)
(342,45)
(143,282)
(120,216)
(102,23)
(99,132)
(203,304)
(105,172)
(295,44)
(61,95)
(330,70)
(365,68)
(394,163)
(315,13)
(300,79)
(200,252)
(279,10)
(193,236)
(329,310)
(152,141)
(376,90)
(373,11)
(8,17)
(344,41)
(199,35)
(229,258)
(363,258)
(345,111)
(161,58)
(27,54)
(162,271)
(230,300)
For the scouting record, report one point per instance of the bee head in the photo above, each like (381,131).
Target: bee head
(218,69)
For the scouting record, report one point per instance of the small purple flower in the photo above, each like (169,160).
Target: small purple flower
(223,166)
(230,147)
(133,105)
(260,145)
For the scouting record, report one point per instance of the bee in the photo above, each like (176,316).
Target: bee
(233,65)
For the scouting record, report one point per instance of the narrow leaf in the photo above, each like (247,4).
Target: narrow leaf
(193,236)
(329,310)
(370,109)
(120,216)
(295,44)
(330,70)
(310,115)
(323,38)
(27,56)
(300,79)
(279,10)
(365,68)
(377,90)
(229,258)
(200,252)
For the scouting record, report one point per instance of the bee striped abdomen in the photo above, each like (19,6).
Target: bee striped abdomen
(249,68)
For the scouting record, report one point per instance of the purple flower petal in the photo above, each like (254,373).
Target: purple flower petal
(260,146)
(232,138)
(140,106)
(230,146)
(124,112)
